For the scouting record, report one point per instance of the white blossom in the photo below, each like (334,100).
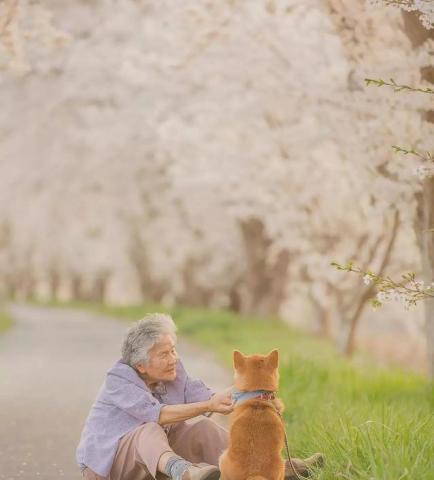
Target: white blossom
(382,296)
(423,172)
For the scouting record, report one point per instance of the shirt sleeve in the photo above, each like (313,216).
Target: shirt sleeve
(135,401)
(195,389)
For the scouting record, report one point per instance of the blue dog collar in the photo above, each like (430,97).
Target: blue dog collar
(239,397)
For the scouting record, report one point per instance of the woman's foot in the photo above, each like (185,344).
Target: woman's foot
(301,467)
(201,471)
(178,468)
(315,460)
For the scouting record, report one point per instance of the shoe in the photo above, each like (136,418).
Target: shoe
(301,467)
(315,460)
(201,471)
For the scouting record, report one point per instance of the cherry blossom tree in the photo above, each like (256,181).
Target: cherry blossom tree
(211,153)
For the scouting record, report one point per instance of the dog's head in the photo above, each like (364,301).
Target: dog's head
(256,372)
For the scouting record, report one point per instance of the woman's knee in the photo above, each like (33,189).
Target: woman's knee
(150,429)
(150,425)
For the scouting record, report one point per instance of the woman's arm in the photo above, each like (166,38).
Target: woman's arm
(220,403)
(178,413)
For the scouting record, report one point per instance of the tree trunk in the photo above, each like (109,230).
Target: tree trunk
(54,283)
(99,288)
(418,35)
(262,288)
(427,240)
(76,287)
(355,319)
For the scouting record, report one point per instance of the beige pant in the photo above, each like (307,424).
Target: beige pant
(139,450)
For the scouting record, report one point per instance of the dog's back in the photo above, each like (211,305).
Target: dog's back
(256,439)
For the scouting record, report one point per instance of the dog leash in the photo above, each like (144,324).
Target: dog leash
(286,444)
(270,396)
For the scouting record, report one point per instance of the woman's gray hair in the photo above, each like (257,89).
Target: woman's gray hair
(143,335)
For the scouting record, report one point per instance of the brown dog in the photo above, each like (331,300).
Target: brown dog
(256,435)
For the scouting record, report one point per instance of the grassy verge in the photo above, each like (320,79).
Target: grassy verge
(5,320)
(371,423)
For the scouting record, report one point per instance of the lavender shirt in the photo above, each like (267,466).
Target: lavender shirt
(123,403)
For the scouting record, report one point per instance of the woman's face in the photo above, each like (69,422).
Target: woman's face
(161,364)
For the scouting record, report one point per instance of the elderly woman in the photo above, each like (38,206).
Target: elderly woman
(136,428)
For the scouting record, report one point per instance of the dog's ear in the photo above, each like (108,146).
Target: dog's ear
(238,359)
(273,358)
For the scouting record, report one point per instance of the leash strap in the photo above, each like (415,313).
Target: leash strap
(287,447)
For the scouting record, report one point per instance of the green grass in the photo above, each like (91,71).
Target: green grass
(371,423)
(5,321)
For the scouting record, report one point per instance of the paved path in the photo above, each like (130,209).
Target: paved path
(52,363)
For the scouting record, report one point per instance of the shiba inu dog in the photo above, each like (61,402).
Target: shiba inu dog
(256,435)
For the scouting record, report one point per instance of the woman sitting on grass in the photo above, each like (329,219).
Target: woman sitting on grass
(137,429)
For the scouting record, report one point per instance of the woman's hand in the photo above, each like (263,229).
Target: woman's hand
(221,402)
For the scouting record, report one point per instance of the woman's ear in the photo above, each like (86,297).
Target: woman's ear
(238,359)
(140,368)
(273,358)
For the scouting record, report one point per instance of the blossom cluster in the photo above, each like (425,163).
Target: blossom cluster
(408,291)
(424,7)
(423,172)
